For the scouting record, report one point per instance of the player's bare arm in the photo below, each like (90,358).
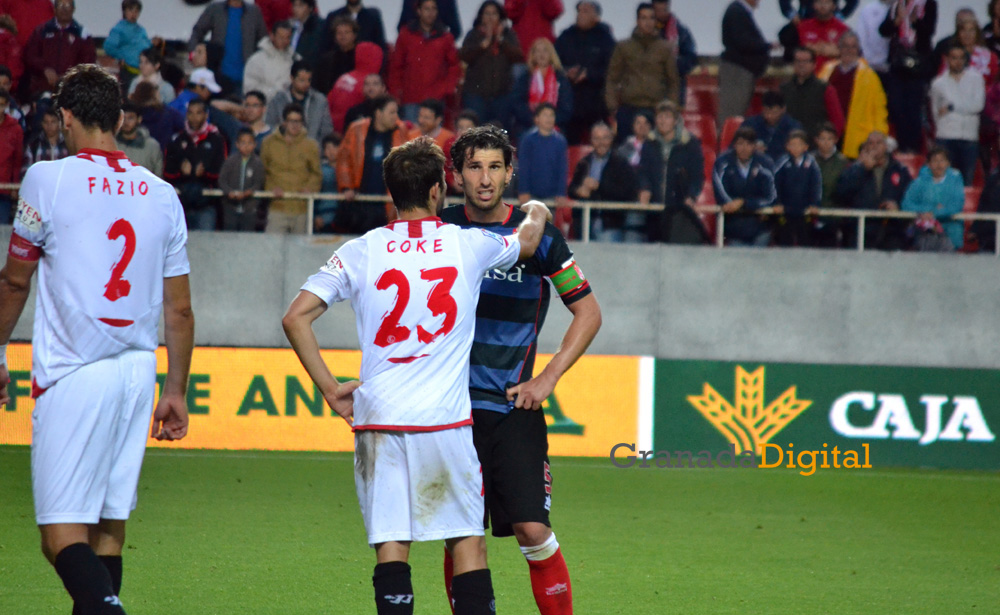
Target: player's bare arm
(297,323)
(15,284)
(530,231)
(581,332)
(170,419)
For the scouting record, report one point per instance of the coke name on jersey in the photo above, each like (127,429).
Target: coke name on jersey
(116,187)
(418,246)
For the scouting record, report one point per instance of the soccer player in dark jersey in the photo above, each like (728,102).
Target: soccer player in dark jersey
(509,428)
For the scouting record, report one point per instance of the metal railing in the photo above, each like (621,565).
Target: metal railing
(587,209)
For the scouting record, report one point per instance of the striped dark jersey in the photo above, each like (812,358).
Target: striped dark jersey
(512,308)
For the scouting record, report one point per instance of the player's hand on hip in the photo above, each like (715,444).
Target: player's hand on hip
(170,419)
(4,381)
(342,399)
(531,394)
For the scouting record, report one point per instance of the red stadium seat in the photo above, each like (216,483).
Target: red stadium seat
(729,128)
(702,126)
(971,205)
(913,162)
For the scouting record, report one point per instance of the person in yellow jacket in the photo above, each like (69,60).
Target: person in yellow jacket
(291,162)
(860,91)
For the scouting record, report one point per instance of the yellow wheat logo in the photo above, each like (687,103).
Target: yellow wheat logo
(748,424)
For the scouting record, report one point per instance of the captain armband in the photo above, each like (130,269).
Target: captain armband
(569,279)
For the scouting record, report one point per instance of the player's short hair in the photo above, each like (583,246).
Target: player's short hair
(798,133)
(826,127)
(436,106)
(486,137)
(745,133)
(131,4)
(542,107)
(256,94)
(411,170)
(668,106)
(468,114)
(292,108)
(198,102)
(334,137)
(152,55)
(245,130)
(92,95)
(772,99)
(300,65)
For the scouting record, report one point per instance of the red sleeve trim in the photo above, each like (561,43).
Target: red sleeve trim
(23,250)
(36,391)
(416,428)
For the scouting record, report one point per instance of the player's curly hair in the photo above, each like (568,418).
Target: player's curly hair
(92,95)
(411,170)
(481,138)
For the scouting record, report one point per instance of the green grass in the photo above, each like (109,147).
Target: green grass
(263,533)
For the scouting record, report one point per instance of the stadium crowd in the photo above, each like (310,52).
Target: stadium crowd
(596,117)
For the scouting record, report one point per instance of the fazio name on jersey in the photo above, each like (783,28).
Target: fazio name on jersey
(513,275)
(117,187)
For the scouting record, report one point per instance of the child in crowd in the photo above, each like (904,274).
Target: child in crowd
(799,186)
(326,209)
(126,40)
(242,174)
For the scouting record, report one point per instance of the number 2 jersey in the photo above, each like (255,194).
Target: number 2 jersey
(106,233)
(414,286)
(512,310)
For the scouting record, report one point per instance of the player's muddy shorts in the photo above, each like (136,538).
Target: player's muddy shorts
(514,451)
(418,485)
(89,434)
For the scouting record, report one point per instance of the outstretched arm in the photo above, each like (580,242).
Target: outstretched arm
(297,322)
(586,323)
(170,419)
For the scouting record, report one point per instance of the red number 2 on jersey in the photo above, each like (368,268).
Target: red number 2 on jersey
(439,301)
(118,287)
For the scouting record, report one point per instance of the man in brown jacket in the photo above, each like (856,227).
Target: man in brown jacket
(642,72)
(291,160)
(359,166)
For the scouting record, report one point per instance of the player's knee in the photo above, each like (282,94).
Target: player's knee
(531,534)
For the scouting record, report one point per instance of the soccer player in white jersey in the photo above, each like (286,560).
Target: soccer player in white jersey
(108,240)
(414,285)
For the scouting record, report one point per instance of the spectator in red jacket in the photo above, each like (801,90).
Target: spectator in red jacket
(349,88)
(533,19)
(425,62)
(10,49)
(11,153)
(28,15)
(55,47)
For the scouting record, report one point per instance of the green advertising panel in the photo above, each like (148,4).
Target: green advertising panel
(879,416)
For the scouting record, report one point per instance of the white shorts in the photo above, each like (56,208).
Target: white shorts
(89,433)
(417,486)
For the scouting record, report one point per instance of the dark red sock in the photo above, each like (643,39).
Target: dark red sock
(551,586)
(449,572)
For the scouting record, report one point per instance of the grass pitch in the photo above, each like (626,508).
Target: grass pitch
(263,533)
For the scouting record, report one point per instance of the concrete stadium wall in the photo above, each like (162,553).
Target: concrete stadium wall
(803,306)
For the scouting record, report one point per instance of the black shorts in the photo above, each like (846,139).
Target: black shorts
(514,452)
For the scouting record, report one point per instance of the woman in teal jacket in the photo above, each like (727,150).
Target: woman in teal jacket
(937,194)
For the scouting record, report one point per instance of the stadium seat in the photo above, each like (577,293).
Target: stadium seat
(729,128)
(575,154)
(702,126)
(913,162)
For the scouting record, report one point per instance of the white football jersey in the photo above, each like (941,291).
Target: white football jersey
(107,233)
(414,286)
